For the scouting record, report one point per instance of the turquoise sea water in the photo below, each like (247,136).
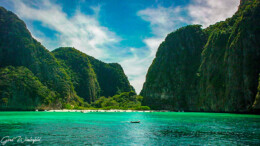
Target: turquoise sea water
(170,128)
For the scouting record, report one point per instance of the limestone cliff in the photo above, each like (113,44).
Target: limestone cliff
(93,78)
(172,79)
(223,79)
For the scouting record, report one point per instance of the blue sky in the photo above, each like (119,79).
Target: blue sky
(124,31)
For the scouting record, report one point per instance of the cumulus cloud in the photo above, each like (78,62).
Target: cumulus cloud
(207,12)
(162,19)
(80,31)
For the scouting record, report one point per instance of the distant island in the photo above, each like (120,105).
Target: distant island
(216,69)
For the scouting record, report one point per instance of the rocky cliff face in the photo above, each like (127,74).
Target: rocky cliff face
(80,70)
(93,78)
(230,62)
(227,73)
(172,80)
(111,77)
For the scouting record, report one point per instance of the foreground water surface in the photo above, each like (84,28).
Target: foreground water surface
(156,128)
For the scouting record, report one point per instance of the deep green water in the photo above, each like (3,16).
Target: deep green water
(114,128)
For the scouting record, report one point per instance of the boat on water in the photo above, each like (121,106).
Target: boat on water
(84,112)
(134,121)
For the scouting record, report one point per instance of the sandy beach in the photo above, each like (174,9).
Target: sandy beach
(112,110)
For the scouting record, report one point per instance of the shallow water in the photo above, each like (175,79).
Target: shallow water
(168,128)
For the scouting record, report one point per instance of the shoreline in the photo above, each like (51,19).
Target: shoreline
(112,110)
(119,110)
(146,111)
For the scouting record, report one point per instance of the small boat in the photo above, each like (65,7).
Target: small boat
(84,112)
(135,122)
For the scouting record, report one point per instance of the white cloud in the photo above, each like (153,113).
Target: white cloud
(207,12)
(162,21)
(153,44)
(136,67)
(80,31)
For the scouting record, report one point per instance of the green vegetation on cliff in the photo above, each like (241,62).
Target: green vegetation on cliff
(20,89)
(92,77)
(222,76)
(81,72)
(231,62)
(111,77)
(18,48)
(171,81)
(32,77)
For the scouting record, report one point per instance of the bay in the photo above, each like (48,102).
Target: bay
(156,128)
